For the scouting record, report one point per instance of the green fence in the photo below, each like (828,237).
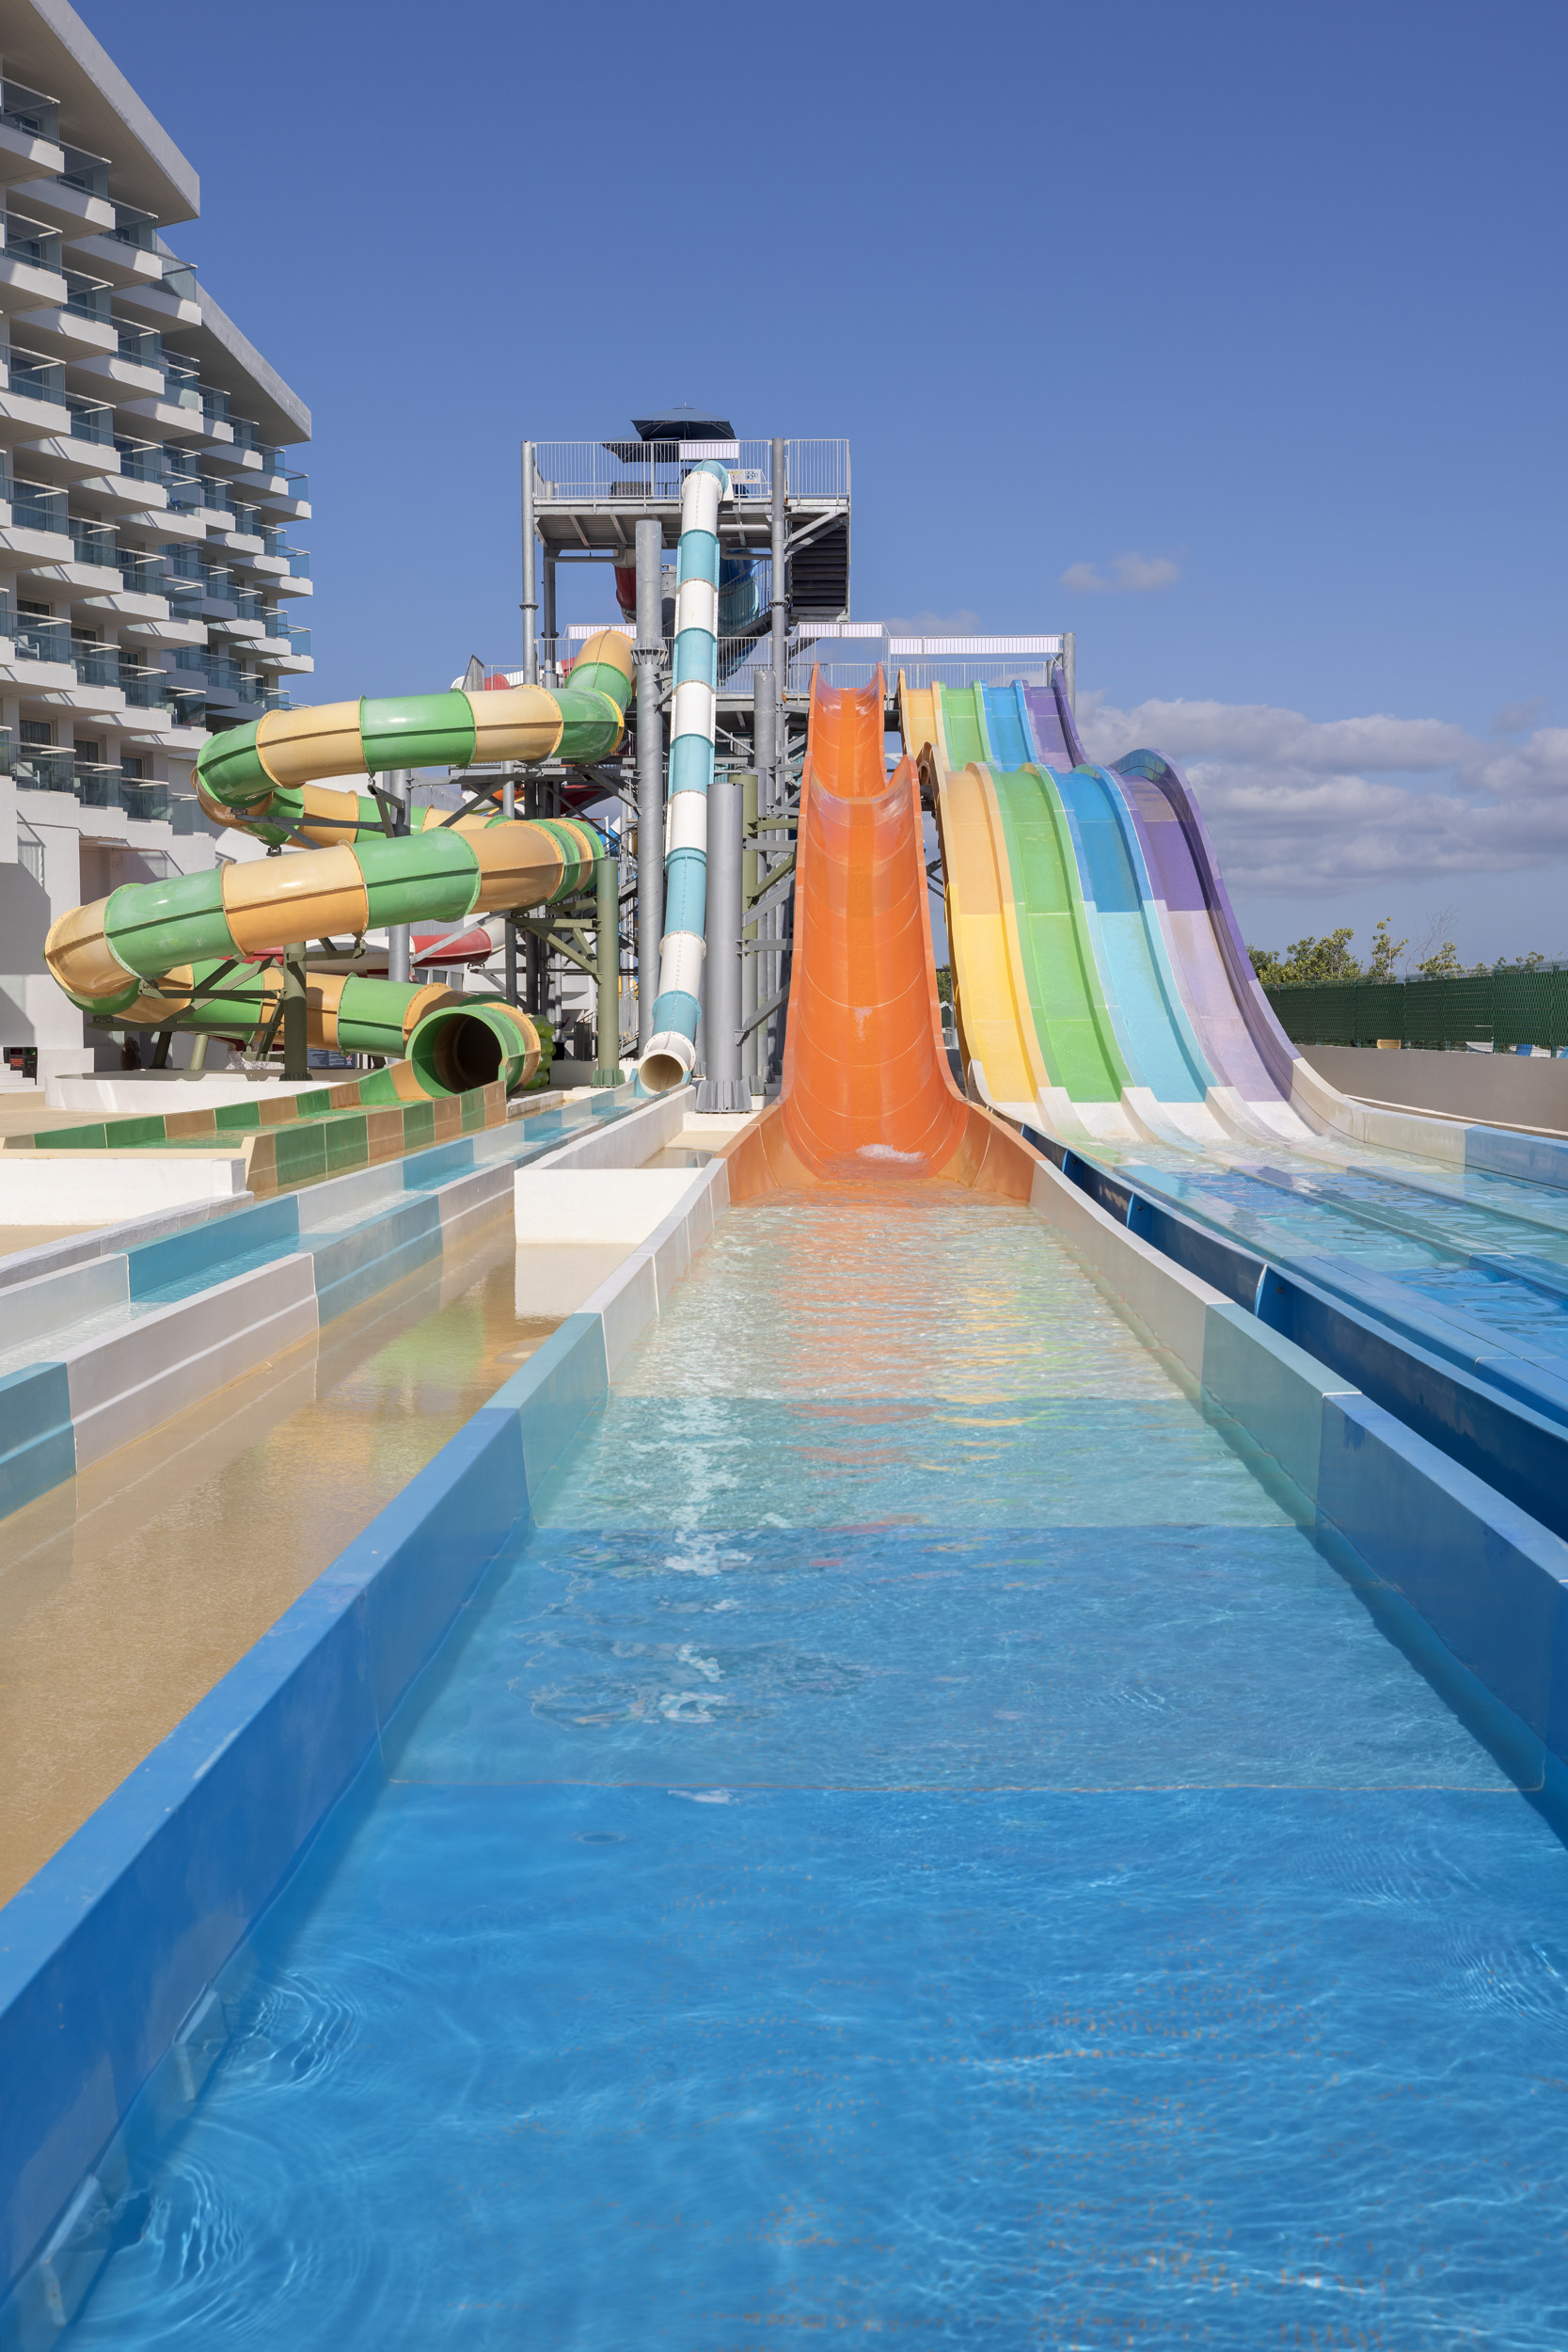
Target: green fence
(1508,1008)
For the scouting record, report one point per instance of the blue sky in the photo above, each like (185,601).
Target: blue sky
(1253,314)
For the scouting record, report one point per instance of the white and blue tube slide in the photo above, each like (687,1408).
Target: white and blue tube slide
(671,1049)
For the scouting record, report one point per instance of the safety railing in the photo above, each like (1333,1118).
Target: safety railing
(39,639)
(30,111)
(94,665)
(40,768)
(37,379)
(631,473)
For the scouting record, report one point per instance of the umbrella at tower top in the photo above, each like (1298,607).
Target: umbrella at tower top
(671,426)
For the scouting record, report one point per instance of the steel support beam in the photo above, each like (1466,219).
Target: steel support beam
(723,925)
(531,593)
(607,947)
(650,774)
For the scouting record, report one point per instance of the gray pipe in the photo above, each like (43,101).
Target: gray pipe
(530,606)
(723,926)
(650,775)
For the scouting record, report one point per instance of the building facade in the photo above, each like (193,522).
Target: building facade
(150,590)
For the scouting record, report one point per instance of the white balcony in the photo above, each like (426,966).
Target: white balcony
(111,258)
(36,677)
(245,463)
(170,630)
(247,631)
(21,415)
(179,522)
(73,211)
(129,606)
(108,374)
(23,157)
(161,308)
(293,584)
(27,549)
(71,574)
(62,457)
(23,285)
(66,334)
(135,498)
(158,419)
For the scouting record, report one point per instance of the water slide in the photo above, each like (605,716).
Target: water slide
(867,1091)
(1092,991)
(201,951)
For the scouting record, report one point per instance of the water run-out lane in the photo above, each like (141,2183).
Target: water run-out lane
(917,1842)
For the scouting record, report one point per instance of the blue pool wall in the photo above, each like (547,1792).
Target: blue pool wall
(222,1294)
(108,1957)
(107,1952)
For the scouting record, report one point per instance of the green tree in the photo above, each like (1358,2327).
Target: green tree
(1385,952)
(1442,964)
(1266,963)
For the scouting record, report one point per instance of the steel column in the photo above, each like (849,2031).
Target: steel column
(606,918)
(779,595)
(650,775)
(530,605)
(747,926)
(1069,669)
(297,1059)
(396,783)
(724,926)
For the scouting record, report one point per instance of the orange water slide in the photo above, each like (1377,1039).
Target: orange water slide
(867,1091)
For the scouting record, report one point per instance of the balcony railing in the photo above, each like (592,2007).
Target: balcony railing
(191,658)
(245,435)
(148,803)
(30,111)
(36,508)
(38,768)
(246,523)
(299,486)
(29,241)
(91,544)
(215,496)
(35,378)
(140,461)
(298,559)
(140,575)
(40,640)
(85,170)
(91,421)
(634,474)
(143,346)
(135,229)
(180,562)
(214,405)
(94,665)
(144,689)
(88,297)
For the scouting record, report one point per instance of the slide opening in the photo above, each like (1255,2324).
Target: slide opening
(453,1052)
(662,1072)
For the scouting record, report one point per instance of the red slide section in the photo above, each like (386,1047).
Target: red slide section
(867,1091)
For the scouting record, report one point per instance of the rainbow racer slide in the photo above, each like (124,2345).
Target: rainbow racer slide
(200,951)
(1100,982)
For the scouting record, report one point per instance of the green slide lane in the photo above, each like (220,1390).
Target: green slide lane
(963,721)
(1072,1018)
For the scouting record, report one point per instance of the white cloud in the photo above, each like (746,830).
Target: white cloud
(1126,574)
(1518,718)
(1295,802)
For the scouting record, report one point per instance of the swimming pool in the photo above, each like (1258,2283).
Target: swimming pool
(915,1839)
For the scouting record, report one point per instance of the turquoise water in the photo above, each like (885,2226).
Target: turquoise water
(1487,1251)
(915,1843)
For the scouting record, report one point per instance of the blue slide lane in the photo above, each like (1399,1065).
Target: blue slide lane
(1008,725)
(1151,1022)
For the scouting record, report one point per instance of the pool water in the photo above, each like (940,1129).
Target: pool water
(1486,1251)
(915,1842)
